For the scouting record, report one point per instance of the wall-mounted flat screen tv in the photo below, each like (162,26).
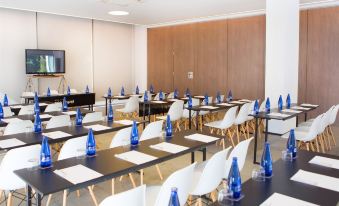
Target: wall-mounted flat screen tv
(40,61)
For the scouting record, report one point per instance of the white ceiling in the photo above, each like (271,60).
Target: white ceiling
(143,12)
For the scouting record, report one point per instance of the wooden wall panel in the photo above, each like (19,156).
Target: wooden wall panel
(302,57)
(322,57)
(211,68)
(184,48)
(246,57)
(160,58)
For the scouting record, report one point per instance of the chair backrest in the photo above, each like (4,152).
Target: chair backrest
(334,114)
(55,107)
(59,121)
(27,94)
(170,95)
(326,119)
(133,197)
(262,106)
(221,97)
(195,102)
(176,110)
(229,117)
(16,159)
(27,110)
(156,97)
(93,117)
(239,151)
(212,174)
(71,147)
(315,128)
(243,114)
(181,179)
(19,127)
(132,104)
(251,107)
(7,112)
(121,138)
(152,130)
(54,92)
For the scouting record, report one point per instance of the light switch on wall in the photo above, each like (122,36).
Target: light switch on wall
(190,75)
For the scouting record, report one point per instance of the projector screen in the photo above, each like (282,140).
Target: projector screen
(45,61)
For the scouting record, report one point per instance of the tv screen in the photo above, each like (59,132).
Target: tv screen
(45,61)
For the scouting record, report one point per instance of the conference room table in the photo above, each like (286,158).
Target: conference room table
(282,116)
(15,108)
(73,131)
(256,192)
(108,99)
(73,100)
(107,164)
(44,116)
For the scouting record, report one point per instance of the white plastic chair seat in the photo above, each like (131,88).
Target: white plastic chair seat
(59,121)
(7,112)
(132,105)
(19,127)
(226,122)
(55,107)
(27,110)
(299,135)
(152,130)
(175,111)
(152,193)
(93,117)
(133,197)
(215,124)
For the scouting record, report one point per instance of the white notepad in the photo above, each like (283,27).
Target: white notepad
(136,157)
(16,107)
(159,102)
(309,105)
(300,108)
(124,122)
(325,161)
(245,100)
(208,107)
(185,98)
(275,114)
(278,199)
(11,120)
(201,138)
(199,96)
(318,180)
(42,104)
(119,96)
(169,147)
(70,113)
(45,116)
(97,127)
(291,111)
(236,102)
(11,143)
(71,174)
(172,100)
(56,135)
(225,104)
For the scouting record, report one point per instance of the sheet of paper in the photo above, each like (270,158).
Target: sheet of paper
(309,105)
(184,98)
(16,107)
(119,96)
(300,108)
(325,161)
(42,104)
(236,102)
(291,111)
(208,107)
(97,127)
(71,174)
(136,157)
(172,100)
(124,122)
(169,147)
(275,114)
(225,104)
(318,180)
(56,135)
(45,116)
(11,143)
(135,95)
(245,100)
(202,138)
(70,113)
(278,199)
(199,97)
(159,102)
(11,120)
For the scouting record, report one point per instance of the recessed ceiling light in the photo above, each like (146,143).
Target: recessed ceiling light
(118,13)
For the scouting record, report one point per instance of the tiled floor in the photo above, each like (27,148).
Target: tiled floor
(151,177)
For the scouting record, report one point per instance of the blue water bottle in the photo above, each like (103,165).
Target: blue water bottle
(175,94)
(174,199)
(161,96)
(137,90)
(68,90)
(48,92)
(2,115)
(288,101)
(256,107)
(87,90)
(234,180)
(36,107)
(206,99)
(78,118)
(110,116)
(109,92)
(45,154)
(292,144)
(168,126)
(122,92)
(280,103)
(151,89)
(64,105)
(36,97)
(266,160)
(229,96)
(146,96)
(187,92)
(218,97)
(134,135)
(90,144)
(5,101)
(268,105)
(189,101)
(37,123)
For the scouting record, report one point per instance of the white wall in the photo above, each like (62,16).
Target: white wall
(140,57)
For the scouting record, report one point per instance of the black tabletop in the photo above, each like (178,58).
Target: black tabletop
(59,95)
(257,192)
(217,106)
(46,181)
(119,97)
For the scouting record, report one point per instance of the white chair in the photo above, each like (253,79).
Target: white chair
(175,112)
(26,94)
(181,179)
(133,197)
(332,121)
(93,117)
(19,127)
(27,110)
(7,112)
(143,96)
(54,92)
(13,160)
(240,122)
(59,121)
(185,114)
(131,107)
(73,91)
(239,151)
(152,130)
(225,125)
(71,149)
(170,95)
(55,107)
(208,175)
(204,113)
(157,98)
